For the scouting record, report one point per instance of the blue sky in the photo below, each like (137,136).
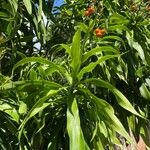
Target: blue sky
(58,2)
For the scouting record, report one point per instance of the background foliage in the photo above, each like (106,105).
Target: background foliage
(76,76)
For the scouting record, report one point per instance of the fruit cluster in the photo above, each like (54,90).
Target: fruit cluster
(90,10)
(100,32)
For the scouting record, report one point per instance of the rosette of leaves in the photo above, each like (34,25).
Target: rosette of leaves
(55,104)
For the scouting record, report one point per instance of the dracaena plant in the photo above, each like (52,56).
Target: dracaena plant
(55,104)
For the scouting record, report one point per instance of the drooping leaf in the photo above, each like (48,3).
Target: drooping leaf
(118,19)
(15,5)
(121,99)
(106,111)
(110,37)
(140,50)
(83,27)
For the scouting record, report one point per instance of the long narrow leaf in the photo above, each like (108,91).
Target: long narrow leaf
(92,65)
(23,84)
(40,11)
(76,52)
(28,6)
(96,50)
(76,137)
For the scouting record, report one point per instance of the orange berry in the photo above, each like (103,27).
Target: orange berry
(86,13)
(100,32)
(97,30)
(91,9)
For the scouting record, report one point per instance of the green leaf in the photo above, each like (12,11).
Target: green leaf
(144,133)
(33,75)
(6,108)
(92,65)
(28,6)
(122,100)
(3,14)
(118,28)
(140,50)
(145,92)
(10,28)
(42,72)
(24,84)
(97,50)
(94,132)
(118,19)
(76,137)
(22,108)
(67,48)
(76,52)
(113,38)
(37,109)
(83,27)
(99,145)
(91,25)
(40,11)
(15,5)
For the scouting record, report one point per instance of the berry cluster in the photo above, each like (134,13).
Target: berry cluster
(90,10)
(100,32)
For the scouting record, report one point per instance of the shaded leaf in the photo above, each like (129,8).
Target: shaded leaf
(38,106)
(122,100)
(106,111)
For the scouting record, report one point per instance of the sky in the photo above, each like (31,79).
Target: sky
(58,2)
